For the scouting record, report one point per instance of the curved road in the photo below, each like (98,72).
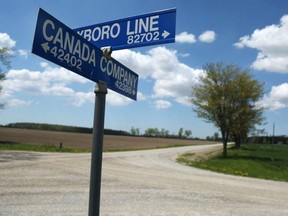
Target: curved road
(133,183)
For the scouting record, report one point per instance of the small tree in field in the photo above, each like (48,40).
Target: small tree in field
(216,136)
(226,97)
(187,133)
(135,131)
(180,133)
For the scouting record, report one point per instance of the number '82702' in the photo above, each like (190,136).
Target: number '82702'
(143,37)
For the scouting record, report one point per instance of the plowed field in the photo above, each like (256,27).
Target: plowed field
(84,141)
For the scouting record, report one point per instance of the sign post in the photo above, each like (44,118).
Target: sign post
(97,149)
(61,45)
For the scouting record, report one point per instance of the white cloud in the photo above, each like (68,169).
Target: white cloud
(277,98)
(272,45)
(80,98)
(185,37)
(6,41)
(52,81)
(17,102)
(162,104)
(172,79)
(116,99)
(36,82)
(44,64)
(55,81)
(184,55)
(207,36)
(59,74)
(136,61)
(186,100)
(140,96)
(270,63)
(23,53)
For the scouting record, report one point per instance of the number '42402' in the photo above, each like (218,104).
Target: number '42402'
(70,59)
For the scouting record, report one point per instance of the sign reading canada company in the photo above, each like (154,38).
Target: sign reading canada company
(61,45)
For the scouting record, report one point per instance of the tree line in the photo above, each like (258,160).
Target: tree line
(150,132)
(62,128)
(156,132)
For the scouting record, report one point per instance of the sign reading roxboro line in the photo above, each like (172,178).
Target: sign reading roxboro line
(142,30)
(61,45)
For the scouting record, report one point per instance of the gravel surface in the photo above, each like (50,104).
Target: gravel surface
(133,183)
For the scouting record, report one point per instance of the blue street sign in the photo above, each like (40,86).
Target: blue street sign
(143,30)
(61,45)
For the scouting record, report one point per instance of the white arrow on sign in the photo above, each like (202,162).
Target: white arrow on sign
(165,34)
(45,47)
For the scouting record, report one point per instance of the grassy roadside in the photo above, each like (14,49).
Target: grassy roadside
(39,148)
(254,160)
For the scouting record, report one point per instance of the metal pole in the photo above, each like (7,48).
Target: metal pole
(97,149)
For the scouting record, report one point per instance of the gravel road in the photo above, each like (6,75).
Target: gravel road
(133,183)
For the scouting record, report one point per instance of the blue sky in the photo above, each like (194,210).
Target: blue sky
(252,34)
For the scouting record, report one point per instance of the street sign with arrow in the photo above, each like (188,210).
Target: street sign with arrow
(61,45)
(142,30)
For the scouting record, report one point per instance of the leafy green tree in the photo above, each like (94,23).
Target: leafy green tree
(163,132)
(248,115)
(135,131)
(216,136)
(180,133)
(187,133)
(226,96)
(152,132)
(5,56)
(4,61)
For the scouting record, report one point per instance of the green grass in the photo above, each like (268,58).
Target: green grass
(253,160)
(38,148)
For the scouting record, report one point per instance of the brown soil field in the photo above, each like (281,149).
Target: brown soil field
(84,141)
